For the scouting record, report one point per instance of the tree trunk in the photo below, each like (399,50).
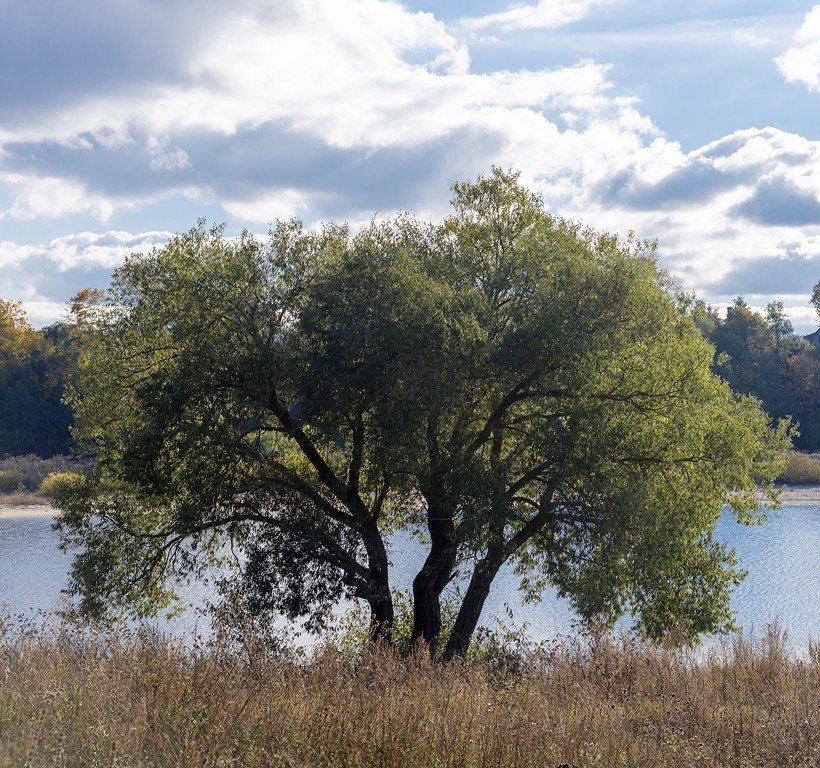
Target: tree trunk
(381,600)
(431,580)
(427,588)
(472,605)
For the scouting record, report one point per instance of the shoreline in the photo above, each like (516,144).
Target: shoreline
(800,496)
(792,496)
(18,511)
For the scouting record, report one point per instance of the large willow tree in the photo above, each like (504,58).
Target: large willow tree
(507,385)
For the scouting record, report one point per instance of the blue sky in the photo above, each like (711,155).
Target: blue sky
(694,123)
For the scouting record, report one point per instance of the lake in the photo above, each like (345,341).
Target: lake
(782,558)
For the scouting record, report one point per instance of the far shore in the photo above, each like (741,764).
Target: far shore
(16,510)
(801,495)
(792,496)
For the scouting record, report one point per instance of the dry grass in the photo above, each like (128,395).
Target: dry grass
(801,469)
(73,699)
(24,479)
(20,474)
(22,499)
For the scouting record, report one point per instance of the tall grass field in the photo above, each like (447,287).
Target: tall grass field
(75,698)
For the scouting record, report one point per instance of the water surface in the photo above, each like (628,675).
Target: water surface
(782,559)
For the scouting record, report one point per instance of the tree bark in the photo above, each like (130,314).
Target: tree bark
(433,577)
(381,600)
(472,605)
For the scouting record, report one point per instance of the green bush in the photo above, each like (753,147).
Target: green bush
(801,469)
(54,482)
(11,480)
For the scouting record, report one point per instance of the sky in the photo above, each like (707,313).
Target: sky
(696,124)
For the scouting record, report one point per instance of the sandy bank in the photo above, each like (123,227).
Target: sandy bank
(801,495)
(26,510)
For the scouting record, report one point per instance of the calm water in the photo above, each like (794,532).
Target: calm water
(782,558)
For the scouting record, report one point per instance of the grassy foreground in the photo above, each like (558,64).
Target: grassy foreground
(74,699)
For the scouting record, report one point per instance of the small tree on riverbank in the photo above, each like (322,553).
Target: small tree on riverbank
(511,387)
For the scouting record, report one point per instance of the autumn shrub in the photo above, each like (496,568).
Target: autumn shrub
(11,480)
(52,481)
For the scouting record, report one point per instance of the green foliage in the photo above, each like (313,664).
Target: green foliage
(779,324)
(505,385)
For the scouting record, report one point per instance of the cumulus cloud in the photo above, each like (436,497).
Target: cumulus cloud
(358,83)
(544,14)
(801,63)
(83,249)
(50,196)
(44,276)
(342,109)
(164,159)
(43,312)
(744,203)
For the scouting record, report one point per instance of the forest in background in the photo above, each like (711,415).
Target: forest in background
(755,353)
(760,355)
(36,366)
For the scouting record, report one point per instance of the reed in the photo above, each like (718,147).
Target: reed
(71,697)
(801,469)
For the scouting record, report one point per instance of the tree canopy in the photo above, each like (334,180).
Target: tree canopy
(506,385)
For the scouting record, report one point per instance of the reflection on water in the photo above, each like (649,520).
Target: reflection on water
(782,559)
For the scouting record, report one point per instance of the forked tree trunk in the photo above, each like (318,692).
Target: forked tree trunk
(431,580)
(427,588)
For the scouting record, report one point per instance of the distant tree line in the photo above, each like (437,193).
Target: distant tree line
(36,366)
(760,355)
(757,354)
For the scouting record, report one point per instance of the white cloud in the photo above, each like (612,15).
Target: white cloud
(801,63)
(163,159)
(355,76)
(50,197)
(45,275)
(107,249)
(751,38)
(43,312)
(544,14)
(803,316)
(279,204)
(343,108)
(83,249)
(13,254)
(722,212)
